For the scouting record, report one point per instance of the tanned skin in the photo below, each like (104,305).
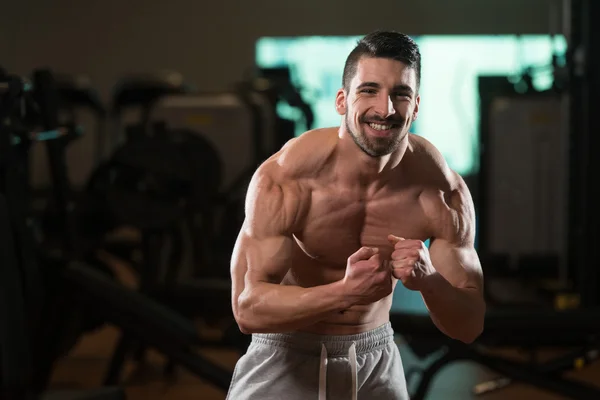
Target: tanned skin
(339,215)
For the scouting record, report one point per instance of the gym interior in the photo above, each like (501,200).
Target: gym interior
(116,233)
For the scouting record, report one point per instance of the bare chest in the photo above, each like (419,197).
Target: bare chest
(340,222)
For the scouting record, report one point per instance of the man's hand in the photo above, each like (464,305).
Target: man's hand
(410,262)
(367,279)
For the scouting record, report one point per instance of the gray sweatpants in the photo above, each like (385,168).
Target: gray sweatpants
(302,366)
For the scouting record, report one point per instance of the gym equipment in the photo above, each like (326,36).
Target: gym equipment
(525,199)
(139,318)
(226,120)
(240,126)
(137,92)
(584,89)
(151,175)
(276,84)
(82,109)
(69,218)
(246,117)
(31,337)
(522,194)
(133,95)
(241,129)
(77,92)
(156,182)
(244,127)
(522,203)
(170,177)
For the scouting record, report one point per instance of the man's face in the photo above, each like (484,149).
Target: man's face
(380,104)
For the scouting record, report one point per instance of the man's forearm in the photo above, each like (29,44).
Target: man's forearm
(458,312)
(267,307)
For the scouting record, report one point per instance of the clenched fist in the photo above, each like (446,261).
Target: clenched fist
(410,262)
(367,278)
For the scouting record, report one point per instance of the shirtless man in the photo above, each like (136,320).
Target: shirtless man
(333,221)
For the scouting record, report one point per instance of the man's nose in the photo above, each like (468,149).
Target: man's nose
(385,106)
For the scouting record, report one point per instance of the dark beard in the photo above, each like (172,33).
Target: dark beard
(374,146)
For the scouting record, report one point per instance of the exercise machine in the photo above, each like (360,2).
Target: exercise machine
(200,128)
(34,332)
(132,97)
(138,317)
(523,186)
(161,181)
(241,128)
(178,177)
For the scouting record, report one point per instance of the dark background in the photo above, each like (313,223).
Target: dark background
(212,42)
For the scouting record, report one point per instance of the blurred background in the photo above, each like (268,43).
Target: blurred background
(130,132)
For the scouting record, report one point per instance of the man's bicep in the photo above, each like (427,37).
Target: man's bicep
(452,249)
(263,249)
(271,211)
(268,259)
(257,260)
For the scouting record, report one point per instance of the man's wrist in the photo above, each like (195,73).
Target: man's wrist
(339,291)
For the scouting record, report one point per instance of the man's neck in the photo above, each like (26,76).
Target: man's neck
(355,166)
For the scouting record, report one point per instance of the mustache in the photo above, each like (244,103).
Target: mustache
(382,121)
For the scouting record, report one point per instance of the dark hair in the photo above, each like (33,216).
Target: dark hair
(384,44)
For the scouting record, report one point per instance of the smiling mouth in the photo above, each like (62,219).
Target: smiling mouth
(382,127)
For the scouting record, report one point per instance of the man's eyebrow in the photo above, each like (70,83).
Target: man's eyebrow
(369,84)
(397,88)
(403,88)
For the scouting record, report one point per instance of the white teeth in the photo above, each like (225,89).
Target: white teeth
(380,127)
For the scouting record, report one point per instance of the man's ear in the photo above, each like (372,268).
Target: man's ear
(340,102)
(416,110)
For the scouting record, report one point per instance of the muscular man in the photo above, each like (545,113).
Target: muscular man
(333,221)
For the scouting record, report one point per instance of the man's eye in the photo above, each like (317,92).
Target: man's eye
(368,91)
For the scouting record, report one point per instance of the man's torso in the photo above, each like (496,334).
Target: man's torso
(342,217)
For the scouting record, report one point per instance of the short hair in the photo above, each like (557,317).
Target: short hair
(383,44)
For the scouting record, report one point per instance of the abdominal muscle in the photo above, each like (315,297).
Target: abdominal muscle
(356,319)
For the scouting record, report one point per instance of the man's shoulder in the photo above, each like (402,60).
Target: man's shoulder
(430,166)
(302,157)
(279,192)
(290,170)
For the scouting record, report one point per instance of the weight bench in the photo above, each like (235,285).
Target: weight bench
(523,328)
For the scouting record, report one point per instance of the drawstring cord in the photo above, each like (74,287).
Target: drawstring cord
(323,372)
(353,370)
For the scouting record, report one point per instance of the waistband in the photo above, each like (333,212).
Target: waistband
(336,345)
